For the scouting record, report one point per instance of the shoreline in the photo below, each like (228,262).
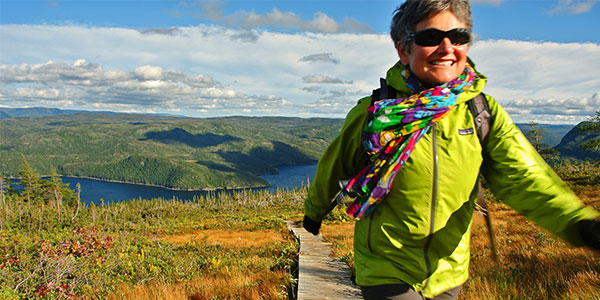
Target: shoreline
(178,189)
(156,185)
(170,188)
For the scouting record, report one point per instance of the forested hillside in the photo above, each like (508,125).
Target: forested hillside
(181,153)
(573,143)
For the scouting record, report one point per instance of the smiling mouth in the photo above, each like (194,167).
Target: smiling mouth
(446,63)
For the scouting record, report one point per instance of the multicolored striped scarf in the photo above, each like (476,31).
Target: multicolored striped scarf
(394,128)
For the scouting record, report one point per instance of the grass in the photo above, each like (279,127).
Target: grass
(232,246)
(236,246)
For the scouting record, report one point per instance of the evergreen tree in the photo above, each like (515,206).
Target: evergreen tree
(39,190)
(535,136)
(30,181)
(29,176)
(593,127)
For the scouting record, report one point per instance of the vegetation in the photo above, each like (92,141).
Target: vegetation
(583,141)
(184,153)
(593,127)
(552,133)
(229,246)
(535,135)
(181,153)
(233,246)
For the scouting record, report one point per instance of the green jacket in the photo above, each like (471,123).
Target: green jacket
(419,234)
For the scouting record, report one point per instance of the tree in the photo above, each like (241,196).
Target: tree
(39,190)
(535,136)
(593,127)
(30,180)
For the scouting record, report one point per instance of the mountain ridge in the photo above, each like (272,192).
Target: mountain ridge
(173,152)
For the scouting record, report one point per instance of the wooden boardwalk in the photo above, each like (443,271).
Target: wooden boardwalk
(320,275)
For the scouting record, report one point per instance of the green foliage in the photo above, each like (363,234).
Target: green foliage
(577,143)
(552,133)
(579,173)
(535,135)
(56,250)
(593,127)
(181,153)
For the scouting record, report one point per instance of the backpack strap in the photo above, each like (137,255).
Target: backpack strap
(384,92)
(482,117)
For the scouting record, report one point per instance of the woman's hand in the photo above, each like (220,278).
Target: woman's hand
(311,226)
(590,233)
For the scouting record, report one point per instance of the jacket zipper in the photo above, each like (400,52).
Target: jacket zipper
(433,202)
(369,235)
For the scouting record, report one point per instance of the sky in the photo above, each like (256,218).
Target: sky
(280,58)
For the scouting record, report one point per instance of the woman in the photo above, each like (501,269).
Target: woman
(411,239)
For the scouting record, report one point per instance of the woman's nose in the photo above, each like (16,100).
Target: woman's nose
(446,45)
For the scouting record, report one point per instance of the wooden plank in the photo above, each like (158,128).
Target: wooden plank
(320,275)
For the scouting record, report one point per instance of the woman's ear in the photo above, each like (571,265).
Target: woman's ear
(402,53)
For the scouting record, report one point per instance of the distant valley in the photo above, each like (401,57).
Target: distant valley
(173,152)
(179,152)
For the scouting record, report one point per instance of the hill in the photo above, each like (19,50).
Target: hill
(34,112)
(552,133)
(174,152)
(570,145)
(6,113)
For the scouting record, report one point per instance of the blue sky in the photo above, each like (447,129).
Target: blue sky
(291,58)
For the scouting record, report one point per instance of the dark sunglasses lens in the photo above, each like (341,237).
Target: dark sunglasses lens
(429,37)
(459,36)
(433,37)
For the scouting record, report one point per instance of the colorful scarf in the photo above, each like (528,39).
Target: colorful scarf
(394,128)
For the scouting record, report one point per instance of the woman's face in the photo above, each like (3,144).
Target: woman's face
(435,65)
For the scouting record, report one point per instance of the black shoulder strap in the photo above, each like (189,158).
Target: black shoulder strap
(384,92)
(481,115)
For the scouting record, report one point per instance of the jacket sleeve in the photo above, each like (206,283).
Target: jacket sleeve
(520,177)
(341,160)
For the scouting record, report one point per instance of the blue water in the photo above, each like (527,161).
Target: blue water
(291,177)
(92,191)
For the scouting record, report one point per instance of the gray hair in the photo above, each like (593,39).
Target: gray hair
(411,12)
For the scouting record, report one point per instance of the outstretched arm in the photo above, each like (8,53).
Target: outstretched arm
(519,176)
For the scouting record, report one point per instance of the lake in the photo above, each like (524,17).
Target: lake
(92,191)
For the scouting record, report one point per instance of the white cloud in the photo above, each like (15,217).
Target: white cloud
(320,78)
(534,79)
(572,7)
(321,57)
(205,71)
(165,31)
(148,72)
(274,19)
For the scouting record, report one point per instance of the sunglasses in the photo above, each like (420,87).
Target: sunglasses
(433,37)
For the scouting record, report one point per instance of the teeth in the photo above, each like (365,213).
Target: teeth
(442,63)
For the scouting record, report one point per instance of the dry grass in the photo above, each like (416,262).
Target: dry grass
(222,281)
(532,263)
(227,284)
(341,238)
(229,238)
